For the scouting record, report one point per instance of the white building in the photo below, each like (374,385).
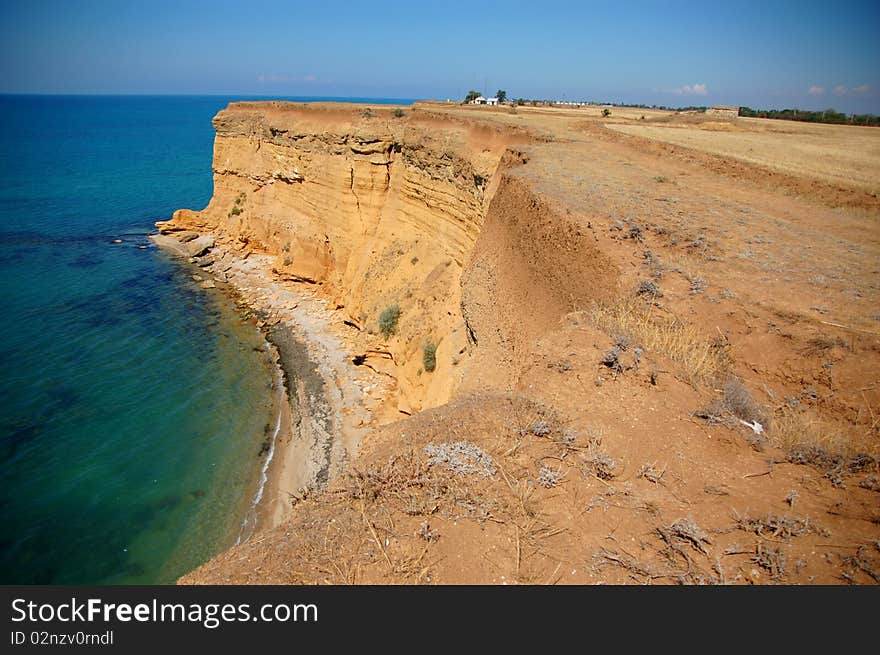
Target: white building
(480,100)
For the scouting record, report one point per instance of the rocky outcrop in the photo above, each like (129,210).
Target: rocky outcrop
(199,246)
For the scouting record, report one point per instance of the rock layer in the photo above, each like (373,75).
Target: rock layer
(383,210)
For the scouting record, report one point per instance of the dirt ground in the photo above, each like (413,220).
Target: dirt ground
(675,374)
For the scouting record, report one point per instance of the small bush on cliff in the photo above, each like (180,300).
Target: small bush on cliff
(388,320)
(236,208)
(398,113)
(429,357)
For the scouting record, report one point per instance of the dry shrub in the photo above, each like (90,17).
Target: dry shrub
(834,466)
(820,344)
(703,360)
(736,401)
(598,462)
(773,560)
(777,526)
(686,530)
(549,477)
(462,458)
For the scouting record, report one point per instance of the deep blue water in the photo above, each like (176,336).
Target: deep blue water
(133,404)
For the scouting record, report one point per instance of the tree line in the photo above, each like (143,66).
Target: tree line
(826,116)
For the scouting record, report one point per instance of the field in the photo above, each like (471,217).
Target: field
(843,155)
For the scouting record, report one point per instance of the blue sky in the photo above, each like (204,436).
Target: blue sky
(763,54)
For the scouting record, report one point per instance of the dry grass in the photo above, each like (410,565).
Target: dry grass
(795,430)
(840,154)
(701,359)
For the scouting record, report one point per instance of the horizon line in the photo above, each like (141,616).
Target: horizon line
(329,98)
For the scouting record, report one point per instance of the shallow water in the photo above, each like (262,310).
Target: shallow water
(134,405)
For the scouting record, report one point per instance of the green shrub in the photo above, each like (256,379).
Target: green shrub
(236,209)
(388,320)
(429,356)
(398,113)
(606,113)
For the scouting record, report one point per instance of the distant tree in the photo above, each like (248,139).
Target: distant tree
(826,116)
(520,101)
(606,112)
(501,94)
(471,96)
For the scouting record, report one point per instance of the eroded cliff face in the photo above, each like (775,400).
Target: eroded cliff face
(382,210)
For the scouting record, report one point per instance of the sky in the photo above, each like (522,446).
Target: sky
(768,54)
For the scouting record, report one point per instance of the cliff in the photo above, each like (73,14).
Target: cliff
(383,210)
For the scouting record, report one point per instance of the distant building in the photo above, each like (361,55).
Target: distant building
(723,111)
(480,100)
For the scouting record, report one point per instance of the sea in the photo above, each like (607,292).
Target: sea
(135,406)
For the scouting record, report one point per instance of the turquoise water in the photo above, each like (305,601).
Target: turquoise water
(134,405)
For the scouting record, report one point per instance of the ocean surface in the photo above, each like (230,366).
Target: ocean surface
(135,406)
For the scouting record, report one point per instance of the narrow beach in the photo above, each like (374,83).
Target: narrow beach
(325,402)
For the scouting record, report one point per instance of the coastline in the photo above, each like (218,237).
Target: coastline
(326,403)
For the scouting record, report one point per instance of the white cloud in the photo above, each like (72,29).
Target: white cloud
(816,90)
(285,77)
(690,90)
(696,89)
(841,90)
(273,77)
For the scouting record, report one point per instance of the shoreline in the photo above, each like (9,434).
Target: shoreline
(250,521)
(326,403)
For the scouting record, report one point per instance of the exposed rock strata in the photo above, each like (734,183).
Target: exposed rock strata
(382,211)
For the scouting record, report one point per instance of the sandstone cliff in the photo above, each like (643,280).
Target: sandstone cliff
(384,210)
